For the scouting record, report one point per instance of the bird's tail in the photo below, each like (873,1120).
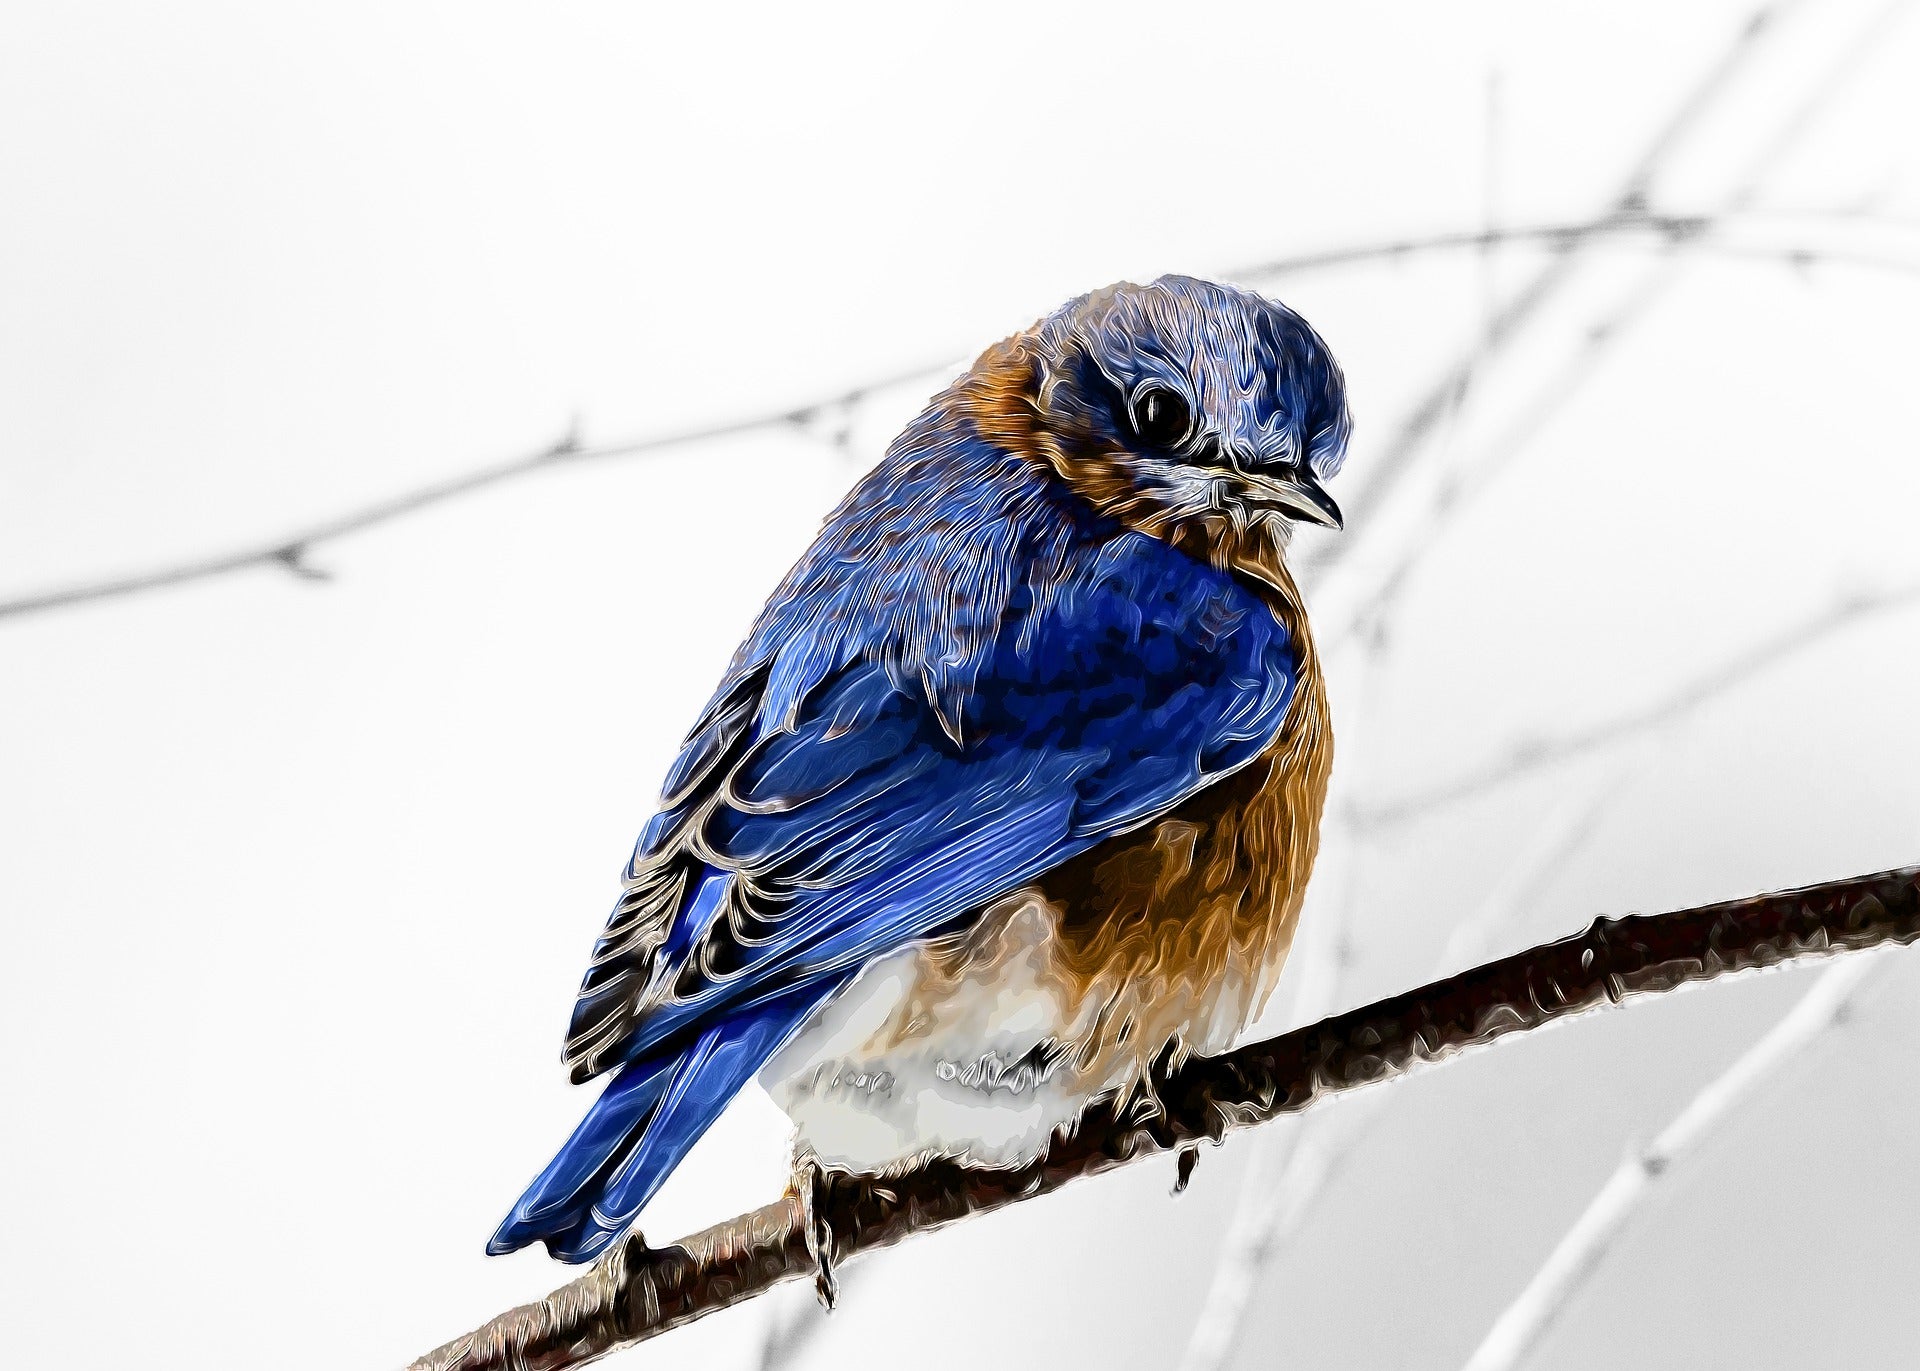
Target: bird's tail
(646,1120)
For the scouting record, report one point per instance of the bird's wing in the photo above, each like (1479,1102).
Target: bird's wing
(823,815)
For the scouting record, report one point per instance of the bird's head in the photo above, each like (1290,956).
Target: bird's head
(1195,412)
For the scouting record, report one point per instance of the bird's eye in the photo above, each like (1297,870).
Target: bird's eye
(1160,416)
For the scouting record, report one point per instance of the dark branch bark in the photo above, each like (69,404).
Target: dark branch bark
(635,1291)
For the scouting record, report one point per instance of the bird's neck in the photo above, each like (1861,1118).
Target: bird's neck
(998,399)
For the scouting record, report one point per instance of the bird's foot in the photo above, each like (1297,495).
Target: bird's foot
(811,1184)
(1189,1158)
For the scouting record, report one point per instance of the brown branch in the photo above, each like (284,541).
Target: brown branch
(636,1292)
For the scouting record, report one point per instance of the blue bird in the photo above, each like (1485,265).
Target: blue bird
(1013,788)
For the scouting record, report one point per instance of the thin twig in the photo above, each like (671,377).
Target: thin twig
(636,1292)
(1702,231)
(288,550)
(1267,1186)
(829,418)
(1262,1221)
(789,1331)
(1580,1251)
(1529,755)
(1611,327)
(1274,1207)
(1386,467)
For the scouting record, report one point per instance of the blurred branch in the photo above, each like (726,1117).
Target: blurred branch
(789,1331)
(1273,1207)
(1451,495)
(1697,229)
(1584,1246)
(829,419)
(290,551)
(1386,467)
(1627,213)
(1535,754)
(636,1292)
(1267,1192)
(1262,1223)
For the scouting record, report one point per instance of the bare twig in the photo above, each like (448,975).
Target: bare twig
(1535,754)
(1262,1220)
(1636,228)
(1387,465)
(1580,1251)
(790,1330)
(1452,495)
(289,550)
(1271,1206)
(830,419)
(1267,1188)
(636,1292)
(1627,214)
(1276,1201)
(1268,1218)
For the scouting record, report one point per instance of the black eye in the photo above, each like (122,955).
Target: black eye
(1160,416)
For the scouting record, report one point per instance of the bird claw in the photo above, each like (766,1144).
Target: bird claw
(819,1233)
(1189,1158)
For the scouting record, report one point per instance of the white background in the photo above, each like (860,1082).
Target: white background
(297,880)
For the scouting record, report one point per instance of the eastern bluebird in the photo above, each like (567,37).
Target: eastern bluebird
(1013,788)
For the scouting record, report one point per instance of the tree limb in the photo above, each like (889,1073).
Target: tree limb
(635,1292)
(1581,1249)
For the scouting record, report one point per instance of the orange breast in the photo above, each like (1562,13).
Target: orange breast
(1176,932)
(1181,928)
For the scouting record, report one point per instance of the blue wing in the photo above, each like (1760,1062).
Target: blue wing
(856,823)
(840,799)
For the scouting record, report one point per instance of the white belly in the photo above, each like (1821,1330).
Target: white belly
(958,1057)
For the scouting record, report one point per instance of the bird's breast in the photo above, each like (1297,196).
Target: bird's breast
(1181,927)
(980,1046)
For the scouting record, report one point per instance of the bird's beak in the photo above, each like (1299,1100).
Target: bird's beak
(1297,493)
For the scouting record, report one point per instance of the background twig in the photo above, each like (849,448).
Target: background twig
(1520,1326)
(828,419)
(1276,1200)
(1535,754)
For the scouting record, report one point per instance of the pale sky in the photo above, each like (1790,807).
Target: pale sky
(300,878)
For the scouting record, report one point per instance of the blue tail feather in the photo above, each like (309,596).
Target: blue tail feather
(643,1124)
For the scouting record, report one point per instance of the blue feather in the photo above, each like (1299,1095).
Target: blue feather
(648,1118)
(1120,676)
(969,679)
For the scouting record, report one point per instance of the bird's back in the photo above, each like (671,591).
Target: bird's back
(1012,788)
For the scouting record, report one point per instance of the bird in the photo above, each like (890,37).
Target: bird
(1011,793)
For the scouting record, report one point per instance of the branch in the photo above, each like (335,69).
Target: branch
(1273,1208)
(289,550)
(1565,236)
(1585,1245)
(829,418)
(635,1292)
(1529,755)
(1387,466)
